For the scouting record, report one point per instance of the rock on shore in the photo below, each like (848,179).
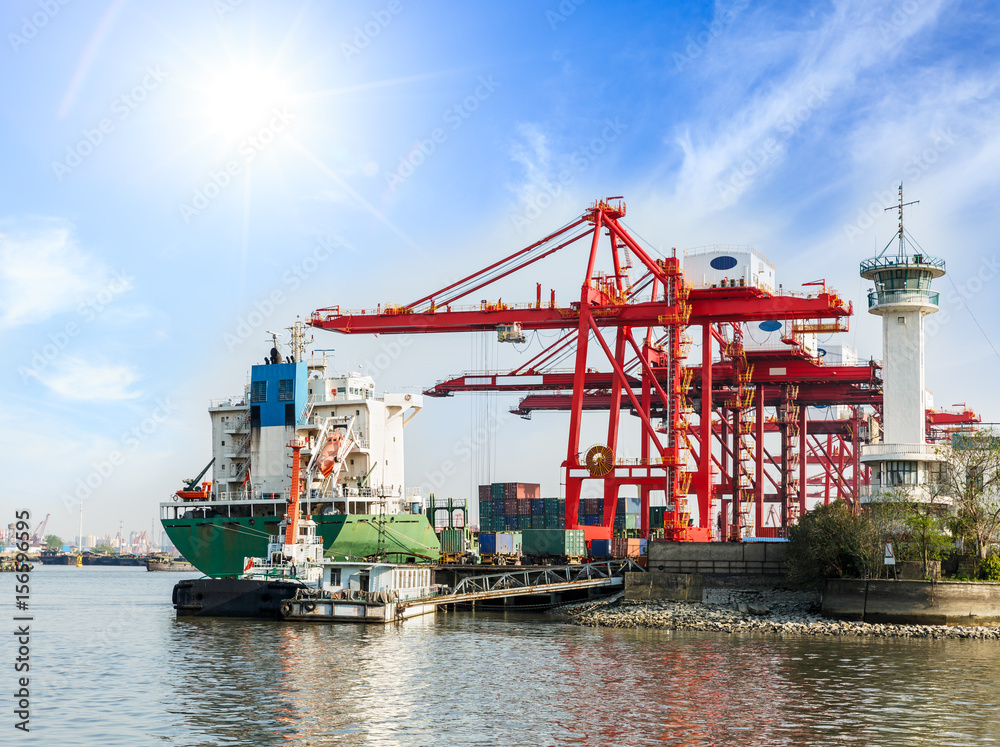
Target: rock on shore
(774,611)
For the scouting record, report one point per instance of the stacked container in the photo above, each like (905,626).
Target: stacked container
(516,506)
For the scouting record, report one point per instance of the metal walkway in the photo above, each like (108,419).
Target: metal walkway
(537,581)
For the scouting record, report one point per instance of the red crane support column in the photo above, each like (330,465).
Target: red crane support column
(758,486)
(704,489)
(803,458)
(644,454)
(828,468)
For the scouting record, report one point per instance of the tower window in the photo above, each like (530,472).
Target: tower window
(258,391)
(285,391)
(900,320)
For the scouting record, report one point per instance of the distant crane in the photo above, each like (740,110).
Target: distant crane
(36,538)
(143,544)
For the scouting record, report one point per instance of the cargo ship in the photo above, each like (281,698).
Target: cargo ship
(349,447)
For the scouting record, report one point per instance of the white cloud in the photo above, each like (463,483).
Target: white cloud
(43,273)
(75,378)
(823,66)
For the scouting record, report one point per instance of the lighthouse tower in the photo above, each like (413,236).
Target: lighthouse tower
(903,464)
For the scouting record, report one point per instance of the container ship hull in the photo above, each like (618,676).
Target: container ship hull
(218,546)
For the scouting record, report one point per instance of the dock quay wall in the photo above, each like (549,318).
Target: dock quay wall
(723,564)
(912,602)
(660,586)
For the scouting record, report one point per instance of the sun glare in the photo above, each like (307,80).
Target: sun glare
(242,100)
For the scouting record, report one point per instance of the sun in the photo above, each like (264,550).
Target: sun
(242,99)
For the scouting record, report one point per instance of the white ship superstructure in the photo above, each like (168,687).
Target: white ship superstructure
(353,437)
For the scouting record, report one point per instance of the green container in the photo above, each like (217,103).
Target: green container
(452,541)
(558,542)
(631,521)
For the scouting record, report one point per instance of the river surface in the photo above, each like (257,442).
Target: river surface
(111,665)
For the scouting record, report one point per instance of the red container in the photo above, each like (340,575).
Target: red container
(528,490)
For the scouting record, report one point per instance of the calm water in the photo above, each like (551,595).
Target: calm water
(112,666)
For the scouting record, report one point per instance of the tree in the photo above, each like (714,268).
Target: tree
(105,549)
(971,478)
(911,517)
(53,541)
(824,543)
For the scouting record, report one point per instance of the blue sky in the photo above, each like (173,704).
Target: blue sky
(171,167)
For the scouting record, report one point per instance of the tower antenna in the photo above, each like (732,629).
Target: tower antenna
(899,207)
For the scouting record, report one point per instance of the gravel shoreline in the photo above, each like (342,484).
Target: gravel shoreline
(757,611)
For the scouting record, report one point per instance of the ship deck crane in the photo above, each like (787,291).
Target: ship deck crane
(659,300)
(191,491)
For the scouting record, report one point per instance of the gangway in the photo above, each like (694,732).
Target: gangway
(542,580)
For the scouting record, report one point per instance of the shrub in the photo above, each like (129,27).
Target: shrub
(989,569)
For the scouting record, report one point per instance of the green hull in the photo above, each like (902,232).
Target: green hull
(218,546)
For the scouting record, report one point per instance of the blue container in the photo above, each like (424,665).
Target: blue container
(600,548)
(537,506)
(487,543)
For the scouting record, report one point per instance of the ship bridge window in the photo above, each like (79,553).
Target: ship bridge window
(258,391)
(285,391)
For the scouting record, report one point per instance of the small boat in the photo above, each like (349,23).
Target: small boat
(164,562)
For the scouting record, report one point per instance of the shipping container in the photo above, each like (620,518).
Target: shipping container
(631,521)
(452,541)
(508,543)
(626,547)
(540,543)
(600,548)
(537,506)
(487,543)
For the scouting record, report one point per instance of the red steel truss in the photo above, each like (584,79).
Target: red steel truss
(661,303)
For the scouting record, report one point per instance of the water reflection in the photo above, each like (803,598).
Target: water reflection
(487,679)
(125,672)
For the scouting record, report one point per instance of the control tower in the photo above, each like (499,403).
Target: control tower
(903,463)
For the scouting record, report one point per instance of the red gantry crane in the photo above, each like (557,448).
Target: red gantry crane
(647,370)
